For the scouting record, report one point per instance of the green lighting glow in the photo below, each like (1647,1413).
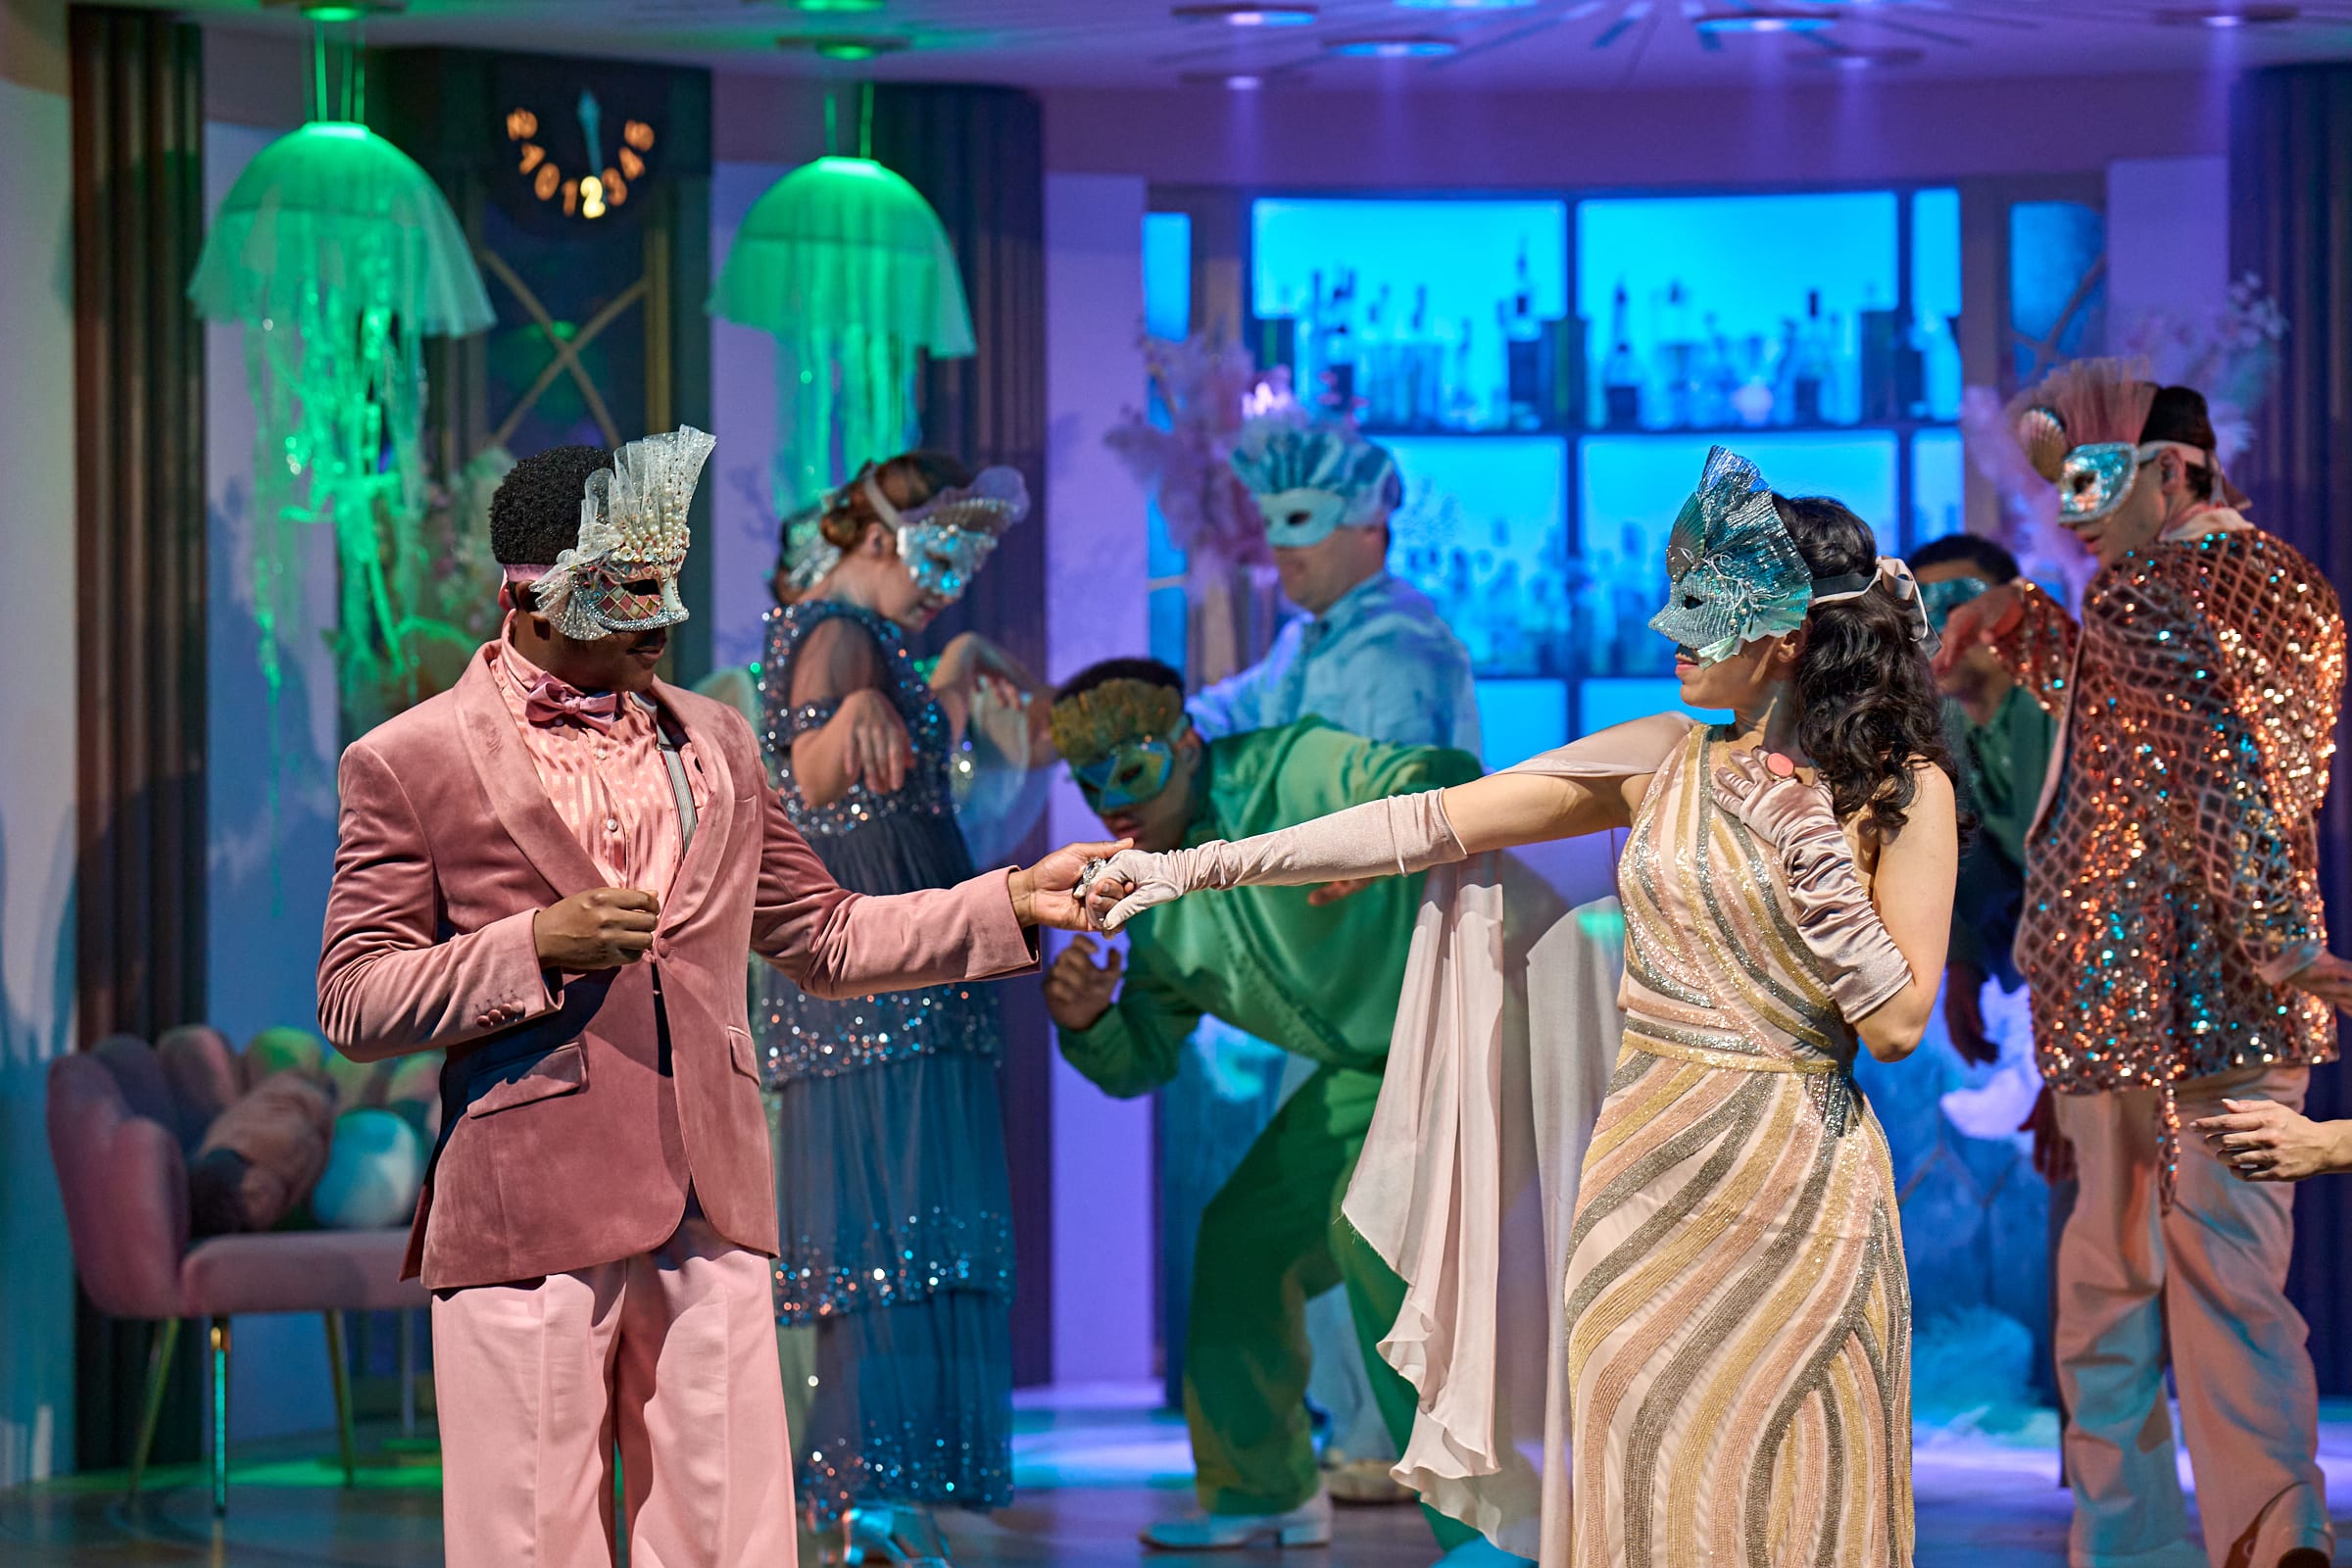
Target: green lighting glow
(847,265)
(846,49)
(837,7)
(334,13)
(343,250)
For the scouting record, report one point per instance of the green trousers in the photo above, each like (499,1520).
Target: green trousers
(1271,1240)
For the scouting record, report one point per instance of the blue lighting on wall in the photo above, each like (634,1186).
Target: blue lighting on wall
(1168,313)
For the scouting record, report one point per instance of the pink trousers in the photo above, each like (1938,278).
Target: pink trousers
(2210,1277)
(671,1357)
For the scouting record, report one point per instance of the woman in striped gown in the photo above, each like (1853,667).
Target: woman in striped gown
(1734,1360)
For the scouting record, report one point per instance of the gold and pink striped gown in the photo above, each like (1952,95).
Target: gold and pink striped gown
(1740,1328)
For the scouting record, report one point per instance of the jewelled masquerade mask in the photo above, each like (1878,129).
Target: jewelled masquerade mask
(1310,481)
(1733,573)
(949,538)
(622,576)
(2095,479)
(1943,597)
(1119,739)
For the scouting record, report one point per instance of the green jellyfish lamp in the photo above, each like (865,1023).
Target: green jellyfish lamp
(340,255)
(847,265)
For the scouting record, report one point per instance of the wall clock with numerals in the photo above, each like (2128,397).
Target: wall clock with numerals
(579,167)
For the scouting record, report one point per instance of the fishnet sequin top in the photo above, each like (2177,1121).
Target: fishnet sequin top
(2172,872)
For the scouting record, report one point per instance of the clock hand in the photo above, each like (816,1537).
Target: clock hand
(592,130)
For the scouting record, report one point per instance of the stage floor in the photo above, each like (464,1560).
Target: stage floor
(1091,1471)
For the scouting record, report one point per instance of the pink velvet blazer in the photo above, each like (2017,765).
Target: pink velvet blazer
(578,1111)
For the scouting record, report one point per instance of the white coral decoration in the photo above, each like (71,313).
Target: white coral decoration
(632,527)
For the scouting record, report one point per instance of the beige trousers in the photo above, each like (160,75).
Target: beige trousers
(672,1356)
(2212,1276)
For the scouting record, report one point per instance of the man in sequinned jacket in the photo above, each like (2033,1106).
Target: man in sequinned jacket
(2176,949)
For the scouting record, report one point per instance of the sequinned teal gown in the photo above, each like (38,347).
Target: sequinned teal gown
(892,1185)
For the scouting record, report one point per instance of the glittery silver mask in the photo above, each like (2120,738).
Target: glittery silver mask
(1733,574)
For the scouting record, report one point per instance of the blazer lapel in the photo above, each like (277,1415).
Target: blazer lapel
(512,782)
(698,869)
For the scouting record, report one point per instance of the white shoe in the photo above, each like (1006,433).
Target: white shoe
(1308,1525)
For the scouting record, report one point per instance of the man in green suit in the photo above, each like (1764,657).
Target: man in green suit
(1314,971)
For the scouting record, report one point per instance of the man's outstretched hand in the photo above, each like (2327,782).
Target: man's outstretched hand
(1980,620)
(602,928)
(1045,894)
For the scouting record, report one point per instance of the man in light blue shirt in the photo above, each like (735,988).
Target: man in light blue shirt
(1371,654)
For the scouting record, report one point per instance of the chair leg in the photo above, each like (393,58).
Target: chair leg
(219,1339)
(151,1412)
(342,1372)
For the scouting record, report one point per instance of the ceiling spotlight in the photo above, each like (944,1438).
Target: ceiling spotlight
(1410,46)
(1234,81)
(1465,5)
(1864,59)
(1762,22)
(1248,16)
(2223,17)
(828,7)
(339,9)
(833,46)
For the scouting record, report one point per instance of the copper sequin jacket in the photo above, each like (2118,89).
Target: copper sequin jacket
(2172,872)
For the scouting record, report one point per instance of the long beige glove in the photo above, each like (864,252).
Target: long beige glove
(1861,965)
(1392,837)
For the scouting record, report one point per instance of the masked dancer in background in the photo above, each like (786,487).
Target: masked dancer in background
(1371,654)
(1316,976)
(891,1174)
(2177,955)
(1737,1324)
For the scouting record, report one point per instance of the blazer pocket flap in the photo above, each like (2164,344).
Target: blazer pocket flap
(738,1050)
(561,1071)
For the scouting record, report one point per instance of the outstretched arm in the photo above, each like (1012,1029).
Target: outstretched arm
(1581,787)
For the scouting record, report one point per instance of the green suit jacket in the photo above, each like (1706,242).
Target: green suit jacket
(1320,982)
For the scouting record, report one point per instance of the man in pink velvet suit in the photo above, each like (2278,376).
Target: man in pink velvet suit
(555,870)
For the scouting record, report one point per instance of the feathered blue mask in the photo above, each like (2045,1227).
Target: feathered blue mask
(1309,481)
(1733,573)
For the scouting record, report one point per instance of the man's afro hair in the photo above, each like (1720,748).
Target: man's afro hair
(536,516)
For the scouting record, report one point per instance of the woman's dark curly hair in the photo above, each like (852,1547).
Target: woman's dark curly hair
(907,481)
(1866,708)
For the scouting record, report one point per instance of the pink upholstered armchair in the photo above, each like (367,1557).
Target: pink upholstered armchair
(119,1126)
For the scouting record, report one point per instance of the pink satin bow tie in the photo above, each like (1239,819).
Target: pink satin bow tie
(549,701)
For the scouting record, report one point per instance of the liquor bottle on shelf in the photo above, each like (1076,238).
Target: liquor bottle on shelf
(1784,373)
(1621,375)
(1462,410)
(1841,387)
(1810,363)
(1523,353)
(1374,364)
(1672,363)
(1713,380)
(1754,399)
(1339,350)
(1307,371)
(1889,370)
(1425,400)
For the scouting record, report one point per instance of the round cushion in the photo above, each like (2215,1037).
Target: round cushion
(374,1172)
(278,1049)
